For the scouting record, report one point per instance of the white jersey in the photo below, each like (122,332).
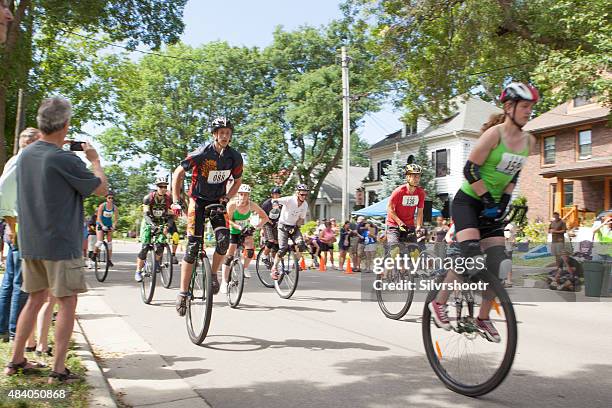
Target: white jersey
(291,212)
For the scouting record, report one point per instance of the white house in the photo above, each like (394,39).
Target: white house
(329,201)
(449,144)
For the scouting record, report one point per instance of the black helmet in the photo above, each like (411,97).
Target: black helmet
(221,122)
(275,190)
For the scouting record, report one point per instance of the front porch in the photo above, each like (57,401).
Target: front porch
(589,195)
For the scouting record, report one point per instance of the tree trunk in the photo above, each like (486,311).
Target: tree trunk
(2,125)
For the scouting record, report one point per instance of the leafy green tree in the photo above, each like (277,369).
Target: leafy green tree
(38,34)
(306,105)
(437,49)
(167,103)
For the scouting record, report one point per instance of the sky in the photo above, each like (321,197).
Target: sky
(252,25)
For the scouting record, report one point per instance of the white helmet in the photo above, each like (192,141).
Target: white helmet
(161,180)
(244,188)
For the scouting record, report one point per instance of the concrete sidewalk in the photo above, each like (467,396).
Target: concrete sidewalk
(124,356)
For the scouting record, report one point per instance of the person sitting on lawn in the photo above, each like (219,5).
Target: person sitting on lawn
(567,274)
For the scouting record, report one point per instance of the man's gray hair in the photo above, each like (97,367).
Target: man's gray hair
(53,114)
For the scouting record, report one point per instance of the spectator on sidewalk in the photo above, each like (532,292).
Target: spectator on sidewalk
(344,243)
(51,232)
(557,229)
(12,298)
(439,233)
(326,240)
(369,250)
(510,235)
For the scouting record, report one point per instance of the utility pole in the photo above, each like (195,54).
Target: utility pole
(19,121)
(346,136)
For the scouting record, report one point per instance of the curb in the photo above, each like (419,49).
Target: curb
(101,393)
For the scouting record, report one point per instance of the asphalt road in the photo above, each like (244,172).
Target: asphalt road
(327,347)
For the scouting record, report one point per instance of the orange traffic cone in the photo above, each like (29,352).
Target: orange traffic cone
(349,268)
(322,266)
(302,264)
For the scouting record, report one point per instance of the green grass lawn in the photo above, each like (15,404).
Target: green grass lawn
(517,259)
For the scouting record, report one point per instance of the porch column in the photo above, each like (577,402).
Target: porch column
(607,192)
(559,196)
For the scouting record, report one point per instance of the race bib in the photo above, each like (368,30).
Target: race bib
(410,201)
(107,214)
(510,163)
(218,176)
(158,213)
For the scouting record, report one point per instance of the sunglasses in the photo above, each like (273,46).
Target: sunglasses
(303,195)
(110,198)
(163,187)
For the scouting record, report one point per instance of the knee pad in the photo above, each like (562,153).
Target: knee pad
(228,260)
(269,244)
(159,250)
(142,255)
(250,253)
(222,236)
(282,251)
(193,246)
(470,248)
(495,256)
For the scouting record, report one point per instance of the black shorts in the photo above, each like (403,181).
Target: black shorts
(466,210)
(396,236)
(236,239)
(323,247)
(196,218)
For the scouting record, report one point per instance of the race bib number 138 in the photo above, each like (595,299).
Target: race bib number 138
(410,201)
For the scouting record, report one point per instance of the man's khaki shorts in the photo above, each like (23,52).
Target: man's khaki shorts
(62,278)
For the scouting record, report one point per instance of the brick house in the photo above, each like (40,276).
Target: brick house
(571,170)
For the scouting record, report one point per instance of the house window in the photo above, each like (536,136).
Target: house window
(584,144)
(549,150)
(372,197)
(440,162)
(568,198)
(382,165)
(410,159)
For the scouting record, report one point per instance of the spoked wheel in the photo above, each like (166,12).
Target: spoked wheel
(263,270)
(101,262)
(236,284)
(149,277)
(167,267)
(395,288)
(200,301)
(464,358)
(289,273)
